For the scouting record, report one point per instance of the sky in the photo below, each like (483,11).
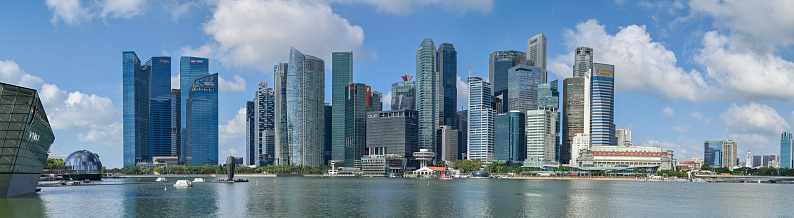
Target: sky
(685,71)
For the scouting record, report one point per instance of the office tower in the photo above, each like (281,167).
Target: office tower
(447,144)
(250,135)
(27,137)
(510,140)
(481,121)
(375,101)
(328,136)
(583,61)
(202,122)
(498,102)
(448,92)
(540,135)
(573,121)
(581,142)
(190,69)
(623,137)
(549,99)
(135,106)
(769,160)
(305,109)
(403,94)
(523,88)
(393,132)
(176,124)
(720,153)
(729,154)
(427,94)
(282,132)
(602,105)
(159,70)
(499,64)
(463,130)
(356,95)
(536,54)
(341,75)
(264,108)
(748,161)
(786,141)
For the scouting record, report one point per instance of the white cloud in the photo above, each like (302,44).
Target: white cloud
(668,112)
(257,34)
(683,148)
(76,11)
(68,11)
(463,93)
(699,116)
(11,73)
(753,118)
(629,126)
(122,8)
(180,8)
(404,7)
(227,85)
(175,82)
(683,128)
(387,101)
(760,25)
(230,151)
(68,110)
(640,63)
(233,130)
(756,141)
(107,135)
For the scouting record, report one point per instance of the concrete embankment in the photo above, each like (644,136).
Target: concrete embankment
(582,178)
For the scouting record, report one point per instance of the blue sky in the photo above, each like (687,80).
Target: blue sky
(686,71)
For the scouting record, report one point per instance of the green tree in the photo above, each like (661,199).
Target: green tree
(705,166)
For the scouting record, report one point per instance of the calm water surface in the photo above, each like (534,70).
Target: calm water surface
(396,197)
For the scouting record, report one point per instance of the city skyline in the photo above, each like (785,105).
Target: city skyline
(671,88)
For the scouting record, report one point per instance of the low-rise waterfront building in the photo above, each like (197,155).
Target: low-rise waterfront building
(610,157)
(382,165)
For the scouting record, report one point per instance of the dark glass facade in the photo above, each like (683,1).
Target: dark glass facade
(510,141)
(305,109)
(573,119)
(500,63)
(176,125)
(448,93)
(427,96)
(356,95)
(250,134)
(712,153)
(83,162)
(341,76)
(159,134)
(463,138)
(403,94)
(281,134)
(393,131)
(135,104)
(25,139)
(202,122)
(264,119)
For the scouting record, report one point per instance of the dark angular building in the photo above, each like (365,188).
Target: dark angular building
(393,132)
(510,141)
(573,115)
(202,122)
(26,138)
(500,63)
(341,76)
(463,135)
(356,97)
(447,67)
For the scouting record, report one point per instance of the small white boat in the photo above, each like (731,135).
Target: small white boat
(160,179)
(198,180)
(183,183)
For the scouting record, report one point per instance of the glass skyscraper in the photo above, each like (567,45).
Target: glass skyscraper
(583,61)
(176,125)
(549,99)
(786,141)
(264,120)
(341,76)
(481,121)
(282,134)
(712,153)
(448,94)
(159,70)
(602,105)
(427,94)
(190,69)
(499,64)
(403,94)
(523,88)
(574,114)
(510,137)
(536,54)
(305,109)
(356,95)
(202,122)
(135,106)
(250,135)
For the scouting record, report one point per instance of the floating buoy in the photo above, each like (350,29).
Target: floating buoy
(257,182)
(428,182)
(274,180)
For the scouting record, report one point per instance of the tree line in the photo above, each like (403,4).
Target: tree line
(217,169)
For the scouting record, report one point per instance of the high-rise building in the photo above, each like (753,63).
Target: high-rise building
(541,136)
(581,142)
(281,130)
(748,161)
(264,119)
(549,99)
(427,94)
(463,130)
(602,105)
(159,70)
(403,94)
(583,61)
(786,142)
(536,53)
(481,121)
(201,134)
(250,135)
(573,120)
(720,153)
(176,125)
(190,69)
(305,109)
(135,116)
(447,143)
(27,138)
(623,137)
(447,69)
(510,141)
(523,88)
(375,101)
(356,95)
(329,111)
(392,132)
(341,75)
(499,64)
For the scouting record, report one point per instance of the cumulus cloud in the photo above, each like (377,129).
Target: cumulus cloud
(227,85)
(640,63)
(757,25)
(668,112)
(257,34)
(68,11)
(463,93)
(175,82)
(681,128)
(76,11)
(122,8)
(404,7)
(699,116)
(68,110)
(233,130)
(11,73)
(753,118)
(108,134)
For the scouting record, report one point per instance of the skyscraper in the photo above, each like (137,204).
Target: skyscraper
(541,136)
(202,122)
(536,53)
(523,88)
(447,143)
(573,121)
(448,93)
(427,94)
(328,136)
(481,121)
(305,109)
(176,125)
(583,61)
(549,99)
(510,140)
(190,69)
(135,116)
(403,94)
(356,95)
(159,70)
(375,100)
(786,142)
(720,153)
(250,135)
(623,137)
(463,130)
(602,105)
(499,64)
(341,76)
(264,118)
(393,132)
(281,133)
